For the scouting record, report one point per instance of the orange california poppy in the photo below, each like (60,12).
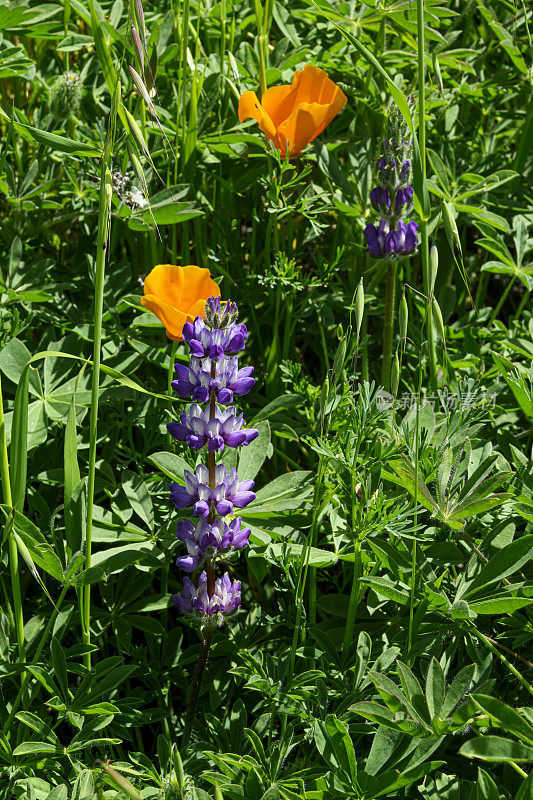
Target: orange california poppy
(292,116)
(177,295)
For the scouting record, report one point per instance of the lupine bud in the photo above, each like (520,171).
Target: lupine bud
(359,307)
(460,610)
(433,268)
(324,395)
(65,95)
(338,361)
(403,318)
(395,375)
(437,316)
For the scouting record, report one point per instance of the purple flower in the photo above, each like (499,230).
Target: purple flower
(225,429)
(404,197)
(403,240)
(392,172)
(380,200)
(226,598)
(218,535)
(228,491)
(378,239)
(217,343)
(198,379)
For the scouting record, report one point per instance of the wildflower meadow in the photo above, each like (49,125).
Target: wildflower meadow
(266,400)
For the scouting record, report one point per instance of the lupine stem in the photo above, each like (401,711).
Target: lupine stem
(12,545)
(423,222)
(413,557)
(388,324)
(104,217)
(502,300)
(195,688)
(210,569)
(502,658)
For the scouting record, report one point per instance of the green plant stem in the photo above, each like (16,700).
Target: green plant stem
(35,659)
(415,519)
(502,658)
(12,544)
(104,217)
(388,325)
(502,300)
(423,222)
(353,603)
(521,307)
(170,374)
(302,573)
(195,689)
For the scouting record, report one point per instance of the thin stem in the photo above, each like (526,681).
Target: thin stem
(502,658)
(423,222)
(12,545)
(415,517)
(195,688)
(354,602)
(44,637)
(502,300)
(104,216)
(388,325)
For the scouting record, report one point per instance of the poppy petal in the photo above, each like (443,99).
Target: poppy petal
(172,319)
(278,102)
(165,281)
(250,107)
(297,131)
(197,285)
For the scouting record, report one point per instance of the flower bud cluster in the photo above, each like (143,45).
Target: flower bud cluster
(212,379)
(392,238)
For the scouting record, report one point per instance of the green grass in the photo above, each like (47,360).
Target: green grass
(383,647)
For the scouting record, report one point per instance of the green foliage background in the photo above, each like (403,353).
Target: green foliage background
(384,644)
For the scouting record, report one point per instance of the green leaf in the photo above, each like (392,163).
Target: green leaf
(138,496)
(340,740)
(435,686)
(486,788)
(508,560)
(171,465)
(510,719)
(38,749)
(251,458)
(499,604)
(495,748)
(386,588)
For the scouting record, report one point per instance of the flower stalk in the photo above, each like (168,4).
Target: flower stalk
(104,222)
(212,379)
(12,545)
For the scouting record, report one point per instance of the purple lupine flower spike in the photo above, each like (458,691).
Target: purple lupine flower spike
(392,238)
(212,379)
(228,491)
(197,379)
(197,427)
(377,238)
(226,597)
(216,537)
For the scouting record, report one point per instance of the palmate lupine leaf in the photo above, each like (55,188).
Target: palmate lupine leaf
(458,495)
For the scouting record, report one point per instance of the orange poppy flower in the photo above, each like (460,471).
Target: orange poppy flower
(292,116)
(177,295)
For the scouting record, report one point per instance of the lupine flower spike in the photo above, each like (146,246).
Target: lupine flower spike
(212,379)
(393,238)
